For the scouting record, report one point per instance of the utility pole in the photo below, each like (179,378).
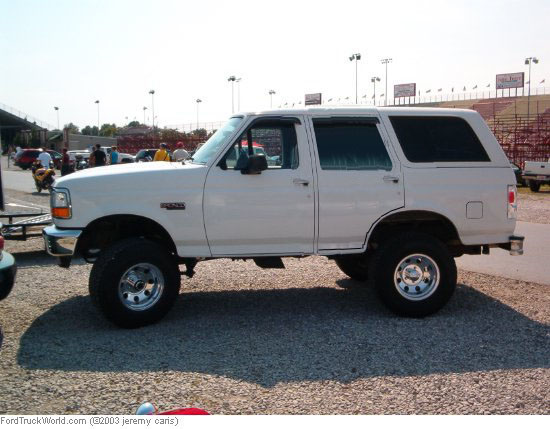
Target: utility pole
(198,100)
(57,111)
(374,80)
(232,79)
(97,102)
(152,92)
(144,109)
(386,61)
(271,92)
(355,57)
(528,61)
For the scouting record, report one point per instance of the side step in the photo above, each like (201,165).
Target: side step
(269,262)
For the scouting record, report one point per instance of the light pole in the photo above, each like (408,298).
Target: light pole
(238,81)
(144,109)
(374,79)
(271,93)
(57,111)
(386,61)
(528,61)
(232,79)
(355,57)
(152,92)
(198,100)
(97,102)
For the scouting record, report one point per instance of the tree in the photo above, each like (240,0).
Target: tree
(73,129)
(108,130)
(133,124)
(89,131)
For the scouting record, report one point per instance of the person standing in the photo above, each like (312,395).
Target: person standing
(65,163)
(114,156)
(100,159)
(162,154)
(180,154)
(45,159)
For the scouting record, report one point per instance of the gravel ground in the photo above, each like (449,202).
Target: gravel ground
(534,207)
(242,340)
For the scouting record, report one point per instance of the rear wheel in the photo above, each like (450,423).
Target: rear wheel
(135,282)
(534,186)
(414,274)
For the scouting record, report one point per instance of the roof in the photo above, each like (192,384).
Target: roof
(354,110)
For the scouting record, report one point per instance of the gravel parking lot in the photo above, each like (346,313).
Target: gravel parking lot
(242,340)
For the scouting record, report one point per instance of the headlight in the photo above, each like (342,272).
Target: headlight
(60,202)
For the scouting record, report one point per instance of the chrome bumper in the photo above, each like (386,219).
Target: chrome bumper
(60,242)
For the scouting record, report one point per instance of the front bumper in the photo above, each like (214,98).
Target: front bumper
(60,242)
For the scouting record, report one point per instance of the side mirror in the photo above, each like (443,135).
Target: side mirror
(255,165)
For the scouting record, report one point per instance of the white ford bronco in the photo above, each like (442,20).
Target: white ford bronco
(393,195)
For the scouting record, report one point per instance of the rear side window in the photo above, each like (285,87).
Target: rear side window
(350,145)
(438,139)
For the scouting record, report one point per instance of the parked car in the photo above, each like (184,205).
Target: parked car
(536,174)
(26,158)
(518,173)
(145,155)
(338,192)
(56,158)
(125,158)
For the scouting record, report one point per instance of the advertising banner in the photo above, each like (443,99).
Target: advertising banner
(312,99)
(404,90)
(510,80)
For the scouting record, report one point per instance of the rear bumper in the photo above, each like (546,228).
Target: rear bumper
(61,242)
(514,246)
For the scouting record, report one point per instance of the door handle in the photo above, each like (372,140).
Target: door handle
(393,179)
(304,182)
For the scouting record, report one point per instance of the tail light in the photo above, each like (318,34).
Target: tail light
(1,243)
(512,202)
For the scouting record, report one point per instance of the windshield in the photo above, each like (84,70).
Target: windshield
(220,137)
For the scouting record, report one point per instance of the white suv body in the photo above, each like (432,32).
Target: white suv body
(320,200)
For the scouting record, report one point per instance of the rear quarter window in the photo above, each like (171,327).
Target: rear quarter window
(438,139)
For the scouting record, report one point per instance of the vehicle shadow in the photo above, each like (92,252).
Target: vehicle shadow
(39,258)
(290,335)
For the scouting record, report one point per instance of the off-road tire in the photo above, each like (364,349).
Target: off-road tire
(384,266)
(111,265)
(354,266)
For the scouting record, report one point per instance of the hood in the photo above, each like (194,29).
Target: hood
(146,175)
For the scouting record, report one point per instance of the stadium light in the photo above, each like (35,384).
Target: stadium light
(355,57)
(386,61)
(374,79)
(528,62)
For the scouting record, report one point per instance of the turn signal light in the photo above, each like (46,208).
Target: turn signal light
(61,212)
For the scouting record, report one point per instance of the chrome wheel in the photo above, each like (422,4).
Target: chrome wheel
(141,287)
(416,277)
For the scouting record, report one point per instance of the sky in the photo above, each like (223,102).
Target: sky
(69,53)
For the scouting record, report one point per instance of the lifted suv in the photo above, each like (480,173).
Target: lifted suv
(392,195)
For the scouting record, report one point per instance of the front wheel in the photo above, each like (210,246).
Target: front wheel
(534,186)
(414,274)
(135,282)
